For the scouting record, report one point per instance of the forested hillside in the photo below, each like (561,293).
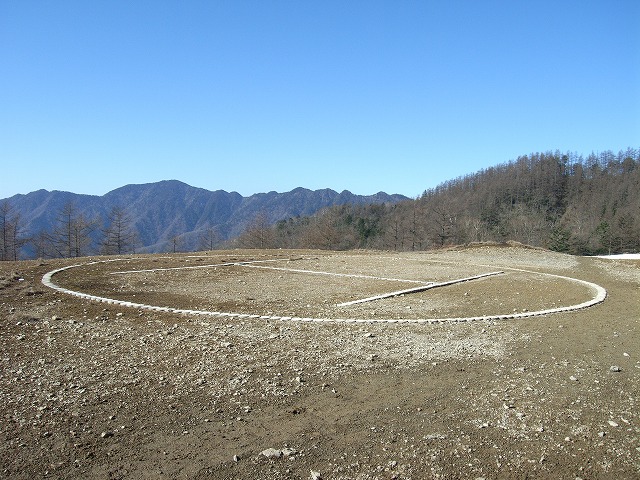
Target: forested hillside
(561,201)
(156,217)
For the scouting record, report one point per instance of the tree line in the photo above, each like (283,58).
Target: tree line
(72,234)
(561,201)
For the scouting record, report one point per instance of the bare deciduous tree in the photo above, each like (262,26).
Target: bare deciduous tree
(258,233)
(11,240)
(71,232)
(209,239)
(119,237)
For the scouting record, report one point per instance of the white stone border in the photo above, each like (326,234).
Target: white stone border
(599,296)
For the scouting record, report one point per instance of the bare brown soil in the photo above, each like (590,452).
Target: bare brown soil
(94,390)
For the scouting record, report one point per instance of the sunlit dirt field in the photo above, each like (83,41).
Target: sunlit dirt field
(289,364)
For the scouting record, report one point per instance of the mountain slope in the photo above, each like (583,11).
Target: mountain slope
(162,211)
(564,202)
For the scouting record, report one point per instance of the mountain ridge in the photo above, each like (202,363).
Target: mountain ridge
(162,211)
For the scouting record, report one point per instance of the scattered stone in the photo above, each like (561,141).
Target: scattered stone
(234,392)
(288,452)
(271,453)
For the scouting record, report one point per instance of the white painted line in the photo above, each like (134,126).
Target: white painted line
(417,289)
(334,274)
(600,295)
(193,267)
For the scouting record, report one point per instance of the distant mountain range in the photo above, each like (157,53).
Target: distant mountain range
(161,211)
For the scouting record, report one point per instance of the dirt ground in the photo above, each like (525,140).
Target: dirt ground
(100,390)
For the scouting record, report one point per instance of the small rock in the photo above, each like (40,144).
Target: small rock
(106,434)
(315,475)
(573,379)
(236,458)
(615,368)
(271,453)
(612,423)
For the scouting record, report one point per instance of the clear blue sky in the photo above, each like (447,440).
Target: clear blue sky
(254,96)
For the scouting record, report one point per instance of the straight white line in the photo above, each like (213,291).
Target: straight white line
(417,289)
(228,264)
(251,264)
(351,275)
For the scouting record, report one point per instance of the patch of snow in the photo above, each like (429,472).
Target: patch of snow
(622,256)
